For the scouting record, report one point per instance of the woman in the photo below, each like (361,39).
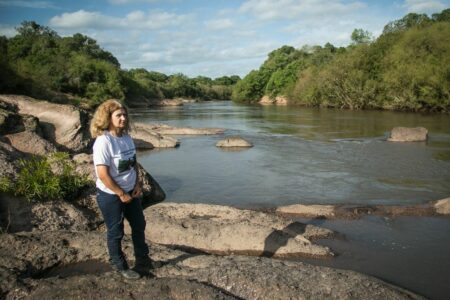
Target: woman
(118,186)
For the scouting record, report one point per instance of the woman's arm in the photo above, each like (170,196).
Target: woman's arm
(103,175)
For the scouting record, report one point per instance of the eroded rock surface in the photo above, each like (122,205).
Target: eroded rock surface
(18,214)
(263,278)
(31,143)
(64,125)
(9,159)
(405,134)
(27,258)
(227,230)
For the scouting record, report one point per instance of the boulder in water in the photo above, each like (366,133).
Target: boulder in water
(405,134)
(231,142)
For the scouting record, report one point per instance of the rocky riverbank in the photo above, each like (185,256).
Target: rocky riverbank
(200,251)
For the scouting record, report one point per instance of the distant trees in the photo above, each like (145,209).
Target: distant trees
(39,63)
(406,68)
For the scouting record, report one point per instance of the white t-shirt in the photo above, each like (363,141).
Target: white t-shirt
(119,154)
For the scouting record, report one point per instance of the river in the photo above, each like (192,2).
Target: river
(321,156)
(300,155)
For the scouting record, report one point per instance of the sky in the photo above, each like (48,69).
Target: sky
(208,37)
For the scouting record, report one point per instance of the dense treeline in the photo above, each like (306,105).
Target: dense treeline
(406,68)
(39,63)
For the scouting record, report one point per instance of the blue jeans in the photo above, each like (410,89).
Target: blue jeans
(114,211)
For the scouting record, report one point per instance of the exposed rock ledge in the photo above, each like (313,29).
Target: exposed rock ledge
(441,207)
(28,259)
(64,125)
(226,230)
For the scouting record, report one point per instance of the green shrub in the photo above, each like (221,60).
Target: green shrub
(50,178)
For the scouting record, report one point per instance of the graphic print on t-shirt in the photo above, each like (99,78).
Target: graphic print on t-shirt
(126,164)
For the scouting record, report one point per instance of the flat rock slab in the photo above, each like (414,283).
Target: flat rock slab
(308,210)
(147,139)
(406,134)
(234,141)
(264,278)
(226,230)
(441,207)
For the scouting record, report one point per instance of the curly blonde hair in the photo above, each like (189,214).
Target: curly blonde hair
(102,117)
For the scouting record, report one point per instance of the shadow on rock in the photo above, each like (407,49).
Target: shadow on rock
(280,238)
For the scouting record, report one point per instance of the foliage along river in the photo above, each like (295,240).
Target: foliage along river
(321,156)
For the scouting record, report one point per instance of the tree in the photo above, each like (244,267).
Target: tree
(408,21)
(361,36)
(31,28)
(443,16)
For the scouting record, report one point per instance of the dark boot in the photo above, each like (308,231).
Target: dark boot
(143,265)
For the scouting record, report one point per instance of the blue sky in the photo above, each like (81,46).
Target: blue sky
(210,38)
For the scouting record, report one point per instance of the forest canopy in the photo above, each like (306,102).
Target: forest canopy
(406,68)
(39,63)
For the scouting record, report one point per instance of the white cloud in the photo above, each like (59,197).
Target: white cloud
(223,42)
(134,20)
(291,9)
(423,6)
(125,2)
(84,19)
(27,4)
(219,24)
(7,30)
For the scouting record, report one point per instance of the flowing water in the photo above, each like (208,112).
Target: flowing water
(300,155)
(313,156)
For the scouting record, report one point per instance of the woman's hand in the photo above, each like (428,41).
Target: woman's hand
(137,191)
(125,197)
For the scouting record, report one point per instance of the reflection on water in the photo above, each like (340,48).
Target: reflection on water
(300,155)
(411,252)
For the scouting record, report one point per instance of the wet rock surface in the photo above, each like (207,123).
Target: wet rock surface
(227,230)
